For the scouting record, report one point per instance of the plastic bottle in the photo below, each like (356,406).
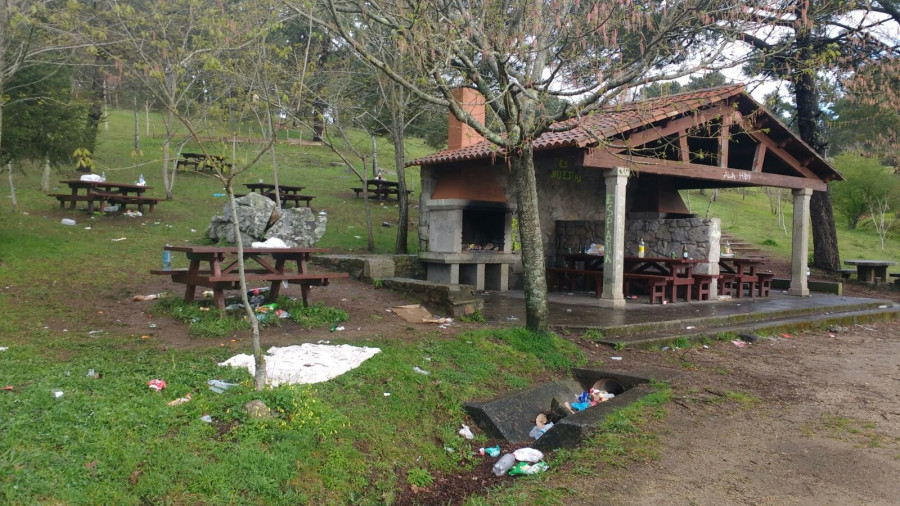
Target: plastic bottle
(167,259)
(641,249)
(504,464)
(141,180)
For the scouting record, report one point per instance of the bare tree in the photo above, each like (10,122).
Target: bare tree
(518,55)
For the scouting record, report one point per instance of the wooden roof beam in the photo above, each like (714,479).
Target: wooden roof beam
(674,126)
(603,159)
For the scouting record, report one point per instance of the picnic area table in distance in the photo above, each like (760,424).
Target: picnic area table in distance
(659,274)
(286,192)
(871,270)
(381,189)
(201,162)
(101,192)
(273,265)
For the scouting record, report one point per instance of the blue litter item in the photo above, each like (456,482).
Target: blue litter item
(219,195)
(219,386)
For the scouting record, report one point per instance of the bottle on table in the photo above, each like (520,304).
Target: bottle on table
(641,248)
(684,253)
(167,259)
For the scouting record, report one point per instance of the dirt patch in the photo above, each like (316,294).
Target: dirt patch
(810,418)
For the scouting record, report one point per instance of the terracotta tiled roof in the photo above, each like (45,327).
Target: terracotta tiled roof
(601,124)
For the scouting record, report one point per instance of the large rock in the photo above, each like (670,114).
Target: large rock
(259,220)
(298,227)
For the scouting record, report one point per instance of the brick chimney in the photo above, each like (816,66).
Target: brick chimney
(459,134)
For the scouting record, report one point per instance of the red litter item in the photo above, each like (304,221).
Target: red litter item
(8,387)
(156,384)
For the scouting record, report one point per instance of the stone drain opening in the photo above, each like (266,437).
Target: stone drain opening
(512,416)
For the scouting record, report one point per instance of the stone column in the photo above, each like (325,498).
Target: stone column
(800,243)
(614,238)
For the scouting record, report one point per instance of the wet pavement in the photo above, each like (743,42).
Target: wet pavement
(582,311)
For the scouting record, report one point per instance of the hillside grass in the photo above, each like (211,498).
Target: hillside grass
(110,440)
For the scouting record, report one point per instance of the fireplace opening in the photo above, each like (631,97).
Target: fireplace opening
(483,230)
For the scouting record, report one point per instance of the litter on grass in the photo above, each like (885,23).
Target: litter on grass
(415,313)
(305,363)
(180,400)
(4,348)
(156,384)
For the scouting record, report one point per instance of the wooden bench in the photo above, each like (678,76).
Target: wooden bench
(380,193)
(702,285)
(71,199)
(846,273)
(656,285)
(764,285)
(896,277)
(232,281)
(556,276)
(116,198)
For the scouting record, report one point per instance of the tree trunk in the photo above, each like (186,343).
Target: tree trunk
(137,129)
(167,151)
(399,120)
(825,246)
(45,175)
(536,307)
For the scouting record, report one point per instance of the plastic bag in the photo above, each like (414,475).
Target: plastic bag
(528,455)
(524,468)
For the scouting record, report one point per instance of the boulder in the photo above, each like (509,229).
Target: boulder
(259,220)
(298,227)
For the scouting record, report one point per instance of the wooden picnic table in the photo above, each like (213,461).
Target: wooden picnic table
(264,188)
(272,265)
(201,162)
(381,189)
(660,274)
(871,271)
(287,193)
(101,192)
(738,273)
(577,266)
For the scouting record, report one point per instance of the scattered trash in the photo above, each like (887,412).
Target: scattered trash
(883,306)
(665,348)
(524,468)
(504,464)
(57,393)
(786,336)
(449,450)
(749,338)
(385,224)
(337,328)
(4,348)
(272,242)
(133,214)
(705,346)
(690,327)
(152,296)
(466,432)
(67,221)
(415,313)
(92,374)
(153,325)
(7,387)
(117,240)
(219,195)
(180,400)
(528,455)
(739,343)
(156,384)
(421,371)
(493,451)
(305,363)
(615,358)
(512,318)
(206,418)
(219,386)
(541,425)
(387,394)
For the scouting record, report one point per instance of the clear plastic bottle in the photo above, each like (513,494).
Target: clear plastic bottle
(641,248)
(504,464)
(167,259)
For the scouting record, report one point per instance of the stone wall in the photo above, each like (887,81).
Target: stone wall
(662,237)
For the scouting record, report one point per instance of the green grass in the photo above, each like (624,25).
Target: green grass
(111,440)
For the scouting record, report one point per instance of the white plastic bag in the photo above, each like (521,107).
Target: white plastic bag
(528,455)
